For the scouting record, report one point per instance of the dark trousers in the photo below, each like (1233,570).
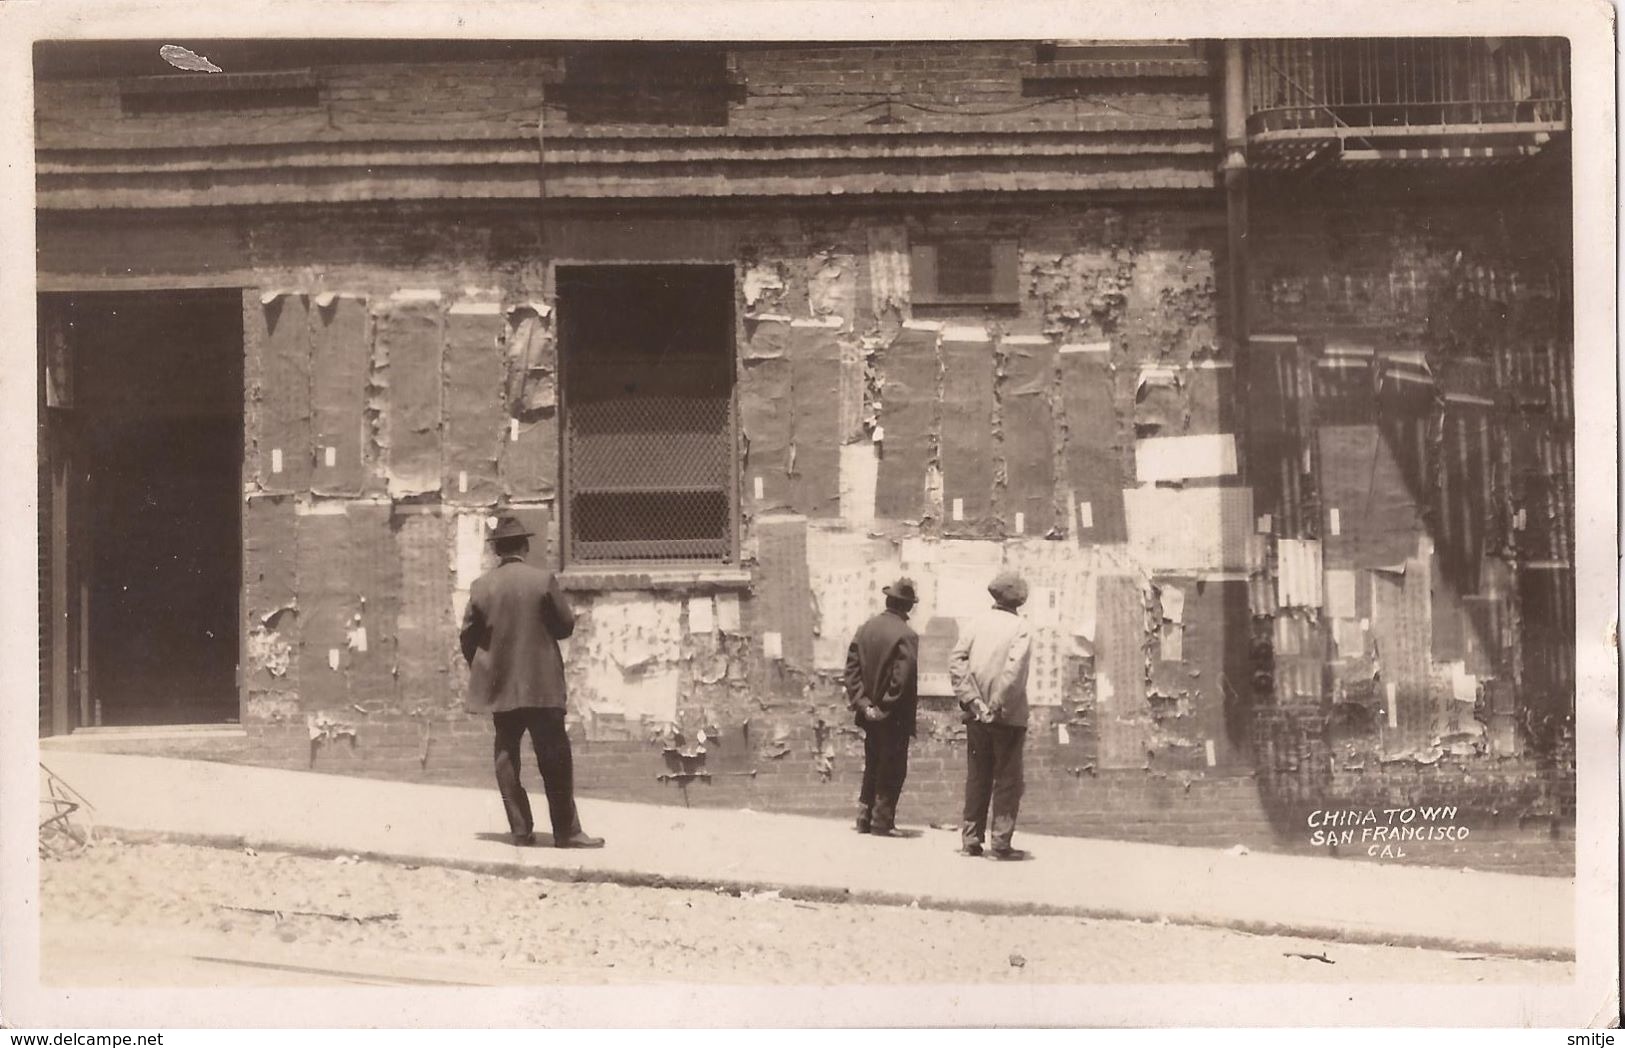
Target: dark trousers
(552,746)
(993,776)
(885,766)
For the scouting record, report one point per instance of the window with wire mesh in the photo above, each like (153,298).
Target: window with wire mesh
(647,365)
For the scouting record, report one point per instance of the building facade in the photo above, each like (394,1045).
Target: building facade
(1254,358)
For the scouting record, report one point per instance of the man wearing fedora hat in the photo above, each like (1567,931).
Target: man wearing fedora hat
(882,687)
(516,616)
(988,668)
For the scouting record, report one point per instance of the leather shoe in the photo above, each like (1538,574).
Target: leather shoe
(1009,854)
(972,850)
(524,840)
(581,840)
(861,827)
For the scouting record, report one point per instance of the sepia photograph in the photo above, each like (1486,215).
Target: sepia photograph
(986,524)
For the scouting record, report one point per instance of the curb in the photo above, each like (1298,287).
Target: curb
(813,893)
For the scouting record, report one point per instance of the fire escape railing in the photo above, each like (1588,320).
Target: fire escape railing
(1373,88)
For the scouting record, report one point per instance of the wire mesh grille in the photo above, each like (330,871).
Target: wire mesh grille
(650,458)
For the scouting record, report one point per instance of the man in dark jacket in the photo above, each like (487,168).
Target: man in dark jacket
(882,687)
(516,616)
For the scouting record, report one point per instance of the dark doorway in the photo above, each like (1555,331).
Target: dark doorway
(149,427)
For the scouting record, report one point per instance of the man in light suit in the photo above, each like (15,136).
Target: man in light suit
(988,669)
(516,616)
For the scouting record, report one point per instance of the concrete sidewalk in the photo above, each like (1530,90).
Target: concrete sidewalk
(822,858)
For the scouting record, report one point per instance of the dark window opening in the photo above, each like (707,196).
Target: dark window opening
(145,579)
(965,272)
(648,85)
(647,368)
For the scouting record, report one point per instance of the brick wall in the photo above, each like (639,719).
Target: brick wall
(1117,305)
(1413,411)
(787,121)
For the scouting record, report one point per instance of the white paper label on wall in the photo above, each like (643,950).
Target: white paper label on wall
(701,617)
(1393,706)
(1086,515)
(1061,735)
(1212,758)
(756,486)
(513,430)
(1181,458)
(1334,521)
(1021,523)
(333,657)
(358,638)
(1266,524)
(330,455)
(959,509)
(276,460)
(728,612)
(772,646)
(462,481)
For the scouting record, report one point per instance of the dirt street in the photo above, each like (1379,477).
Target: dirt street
(167,914)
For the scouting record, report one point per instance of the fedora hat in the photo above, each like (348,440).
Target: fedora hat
(510,528)
(902,589)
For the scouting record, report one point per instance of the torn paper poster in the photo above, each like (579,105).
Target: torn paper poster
(728,612)
(1029,364)
(646,694)
(475,418)
(1340,593)
(860,469)
(531,382)
(1200,529)
(1158,401)
(1184,458)
(468,558)
(701,616)
(889,287)
(1298,573)
(783,599)
(338,389)
(759,282)
(908,369)
(966,445)
(815,370)
(963,570)
(280,337)
(412,339)
(1056,573)
(1463,685)
(638,629)
(1173,602)
(846,572)
(832,287)
(1046,667)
